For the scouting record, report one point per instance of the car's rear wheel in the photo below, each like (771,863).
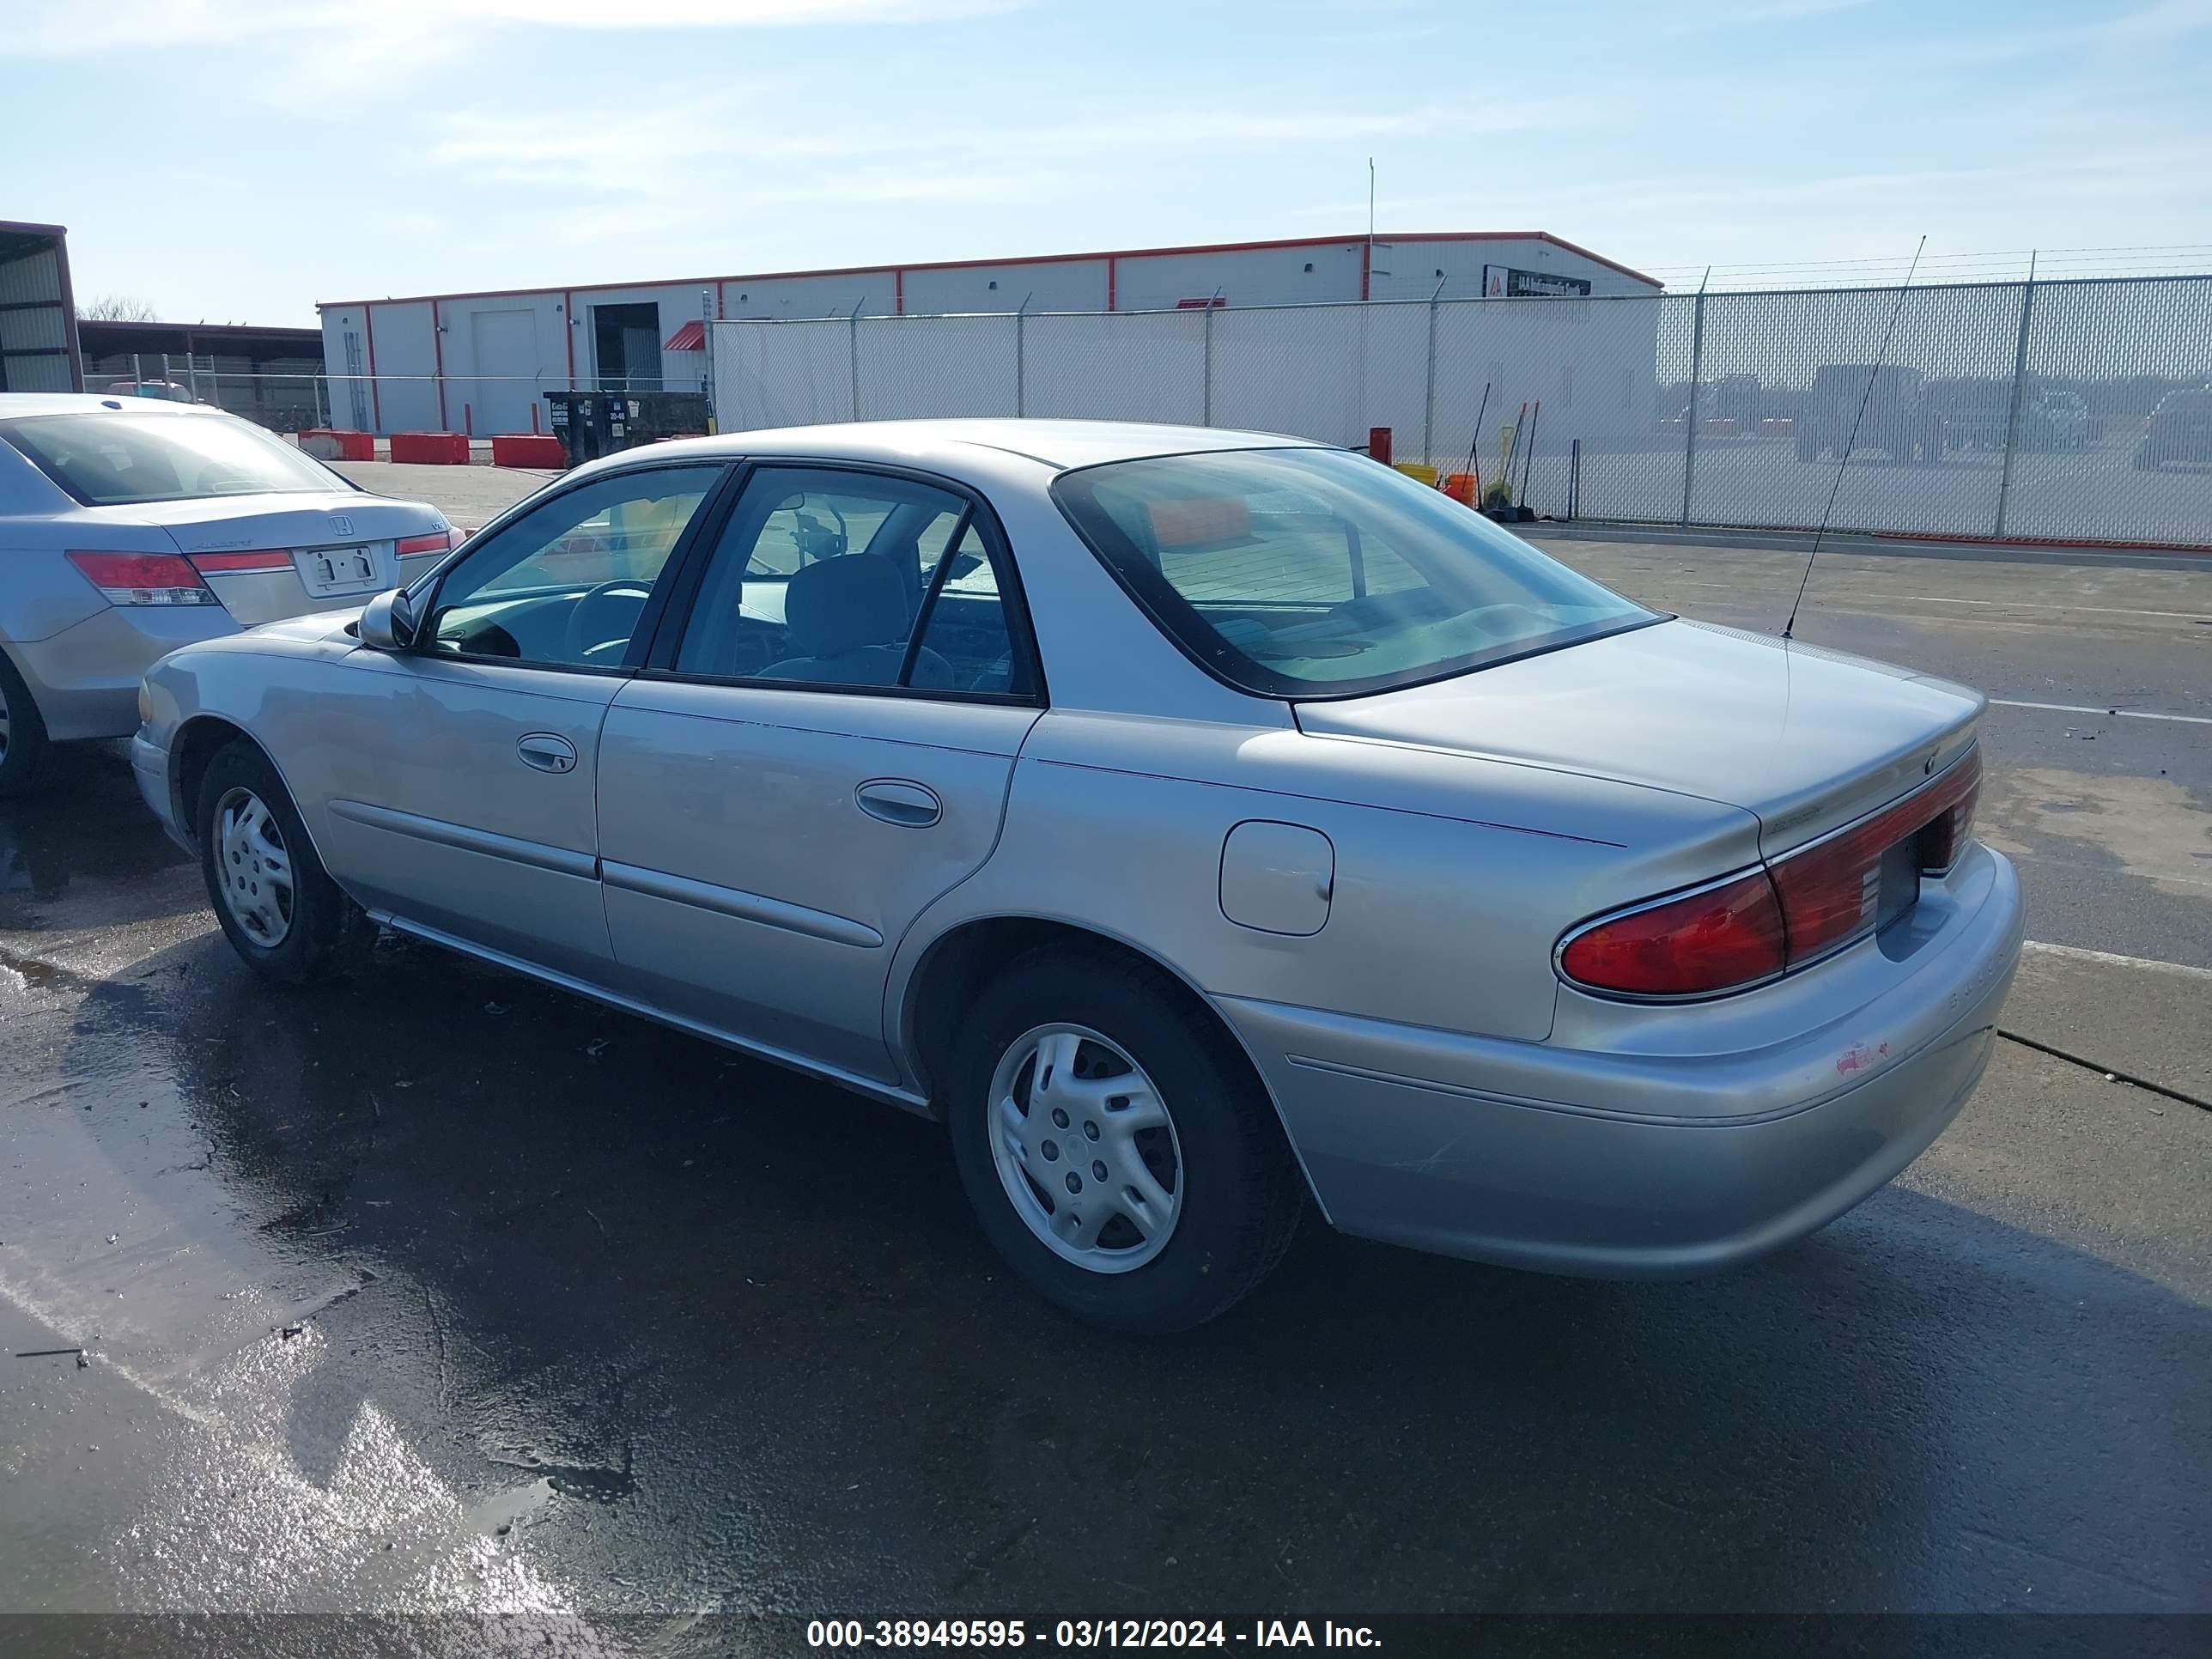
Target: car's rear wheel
(278,907)
(25,750)
(1118,1151)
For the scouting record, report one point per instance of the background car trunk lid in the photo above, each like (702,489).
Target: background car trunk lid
(267,556)
(1807,740)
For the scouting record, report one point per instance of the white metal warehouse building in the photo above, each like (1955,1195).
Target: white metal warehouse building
(481,362)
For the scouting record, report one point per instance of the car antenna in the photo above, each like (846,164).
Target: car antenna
(1844,459)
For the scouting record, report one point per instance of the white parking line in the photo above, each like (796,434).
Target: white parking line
(2044,604)
(2083,708)
(1990,605)
(2076,953)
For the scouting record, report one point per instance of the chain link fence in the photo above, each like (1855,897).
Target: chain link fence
(2076,410)
(294,402)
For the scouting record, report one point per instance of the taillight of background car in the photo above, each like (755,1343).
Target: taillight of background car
(1754,927)
(143,578)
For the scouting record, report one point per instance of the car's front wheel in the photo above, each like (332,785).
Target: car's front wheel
(278,907)
(1117,1149)
(24,749)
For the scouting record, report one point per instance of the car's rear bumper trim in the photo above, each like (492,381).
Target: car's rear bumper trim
(1598,1169)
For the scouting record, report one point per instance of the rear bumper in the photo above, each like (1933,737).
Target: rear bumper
(85,678)
(1638,1166)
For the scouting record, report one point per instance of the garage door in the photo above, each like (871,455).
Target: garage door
(506,344)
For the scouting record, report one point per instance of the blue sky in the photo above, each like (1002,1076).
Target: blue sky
(238,161)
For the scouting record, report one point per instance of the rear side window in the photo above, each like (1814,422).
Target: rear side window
(829,578)
(1301,572)
(121,460)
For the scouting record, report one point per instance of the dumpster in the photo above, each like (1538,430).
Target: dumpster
(590,424)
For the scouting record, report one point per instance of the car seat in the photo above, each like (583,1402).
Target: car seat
(846,621)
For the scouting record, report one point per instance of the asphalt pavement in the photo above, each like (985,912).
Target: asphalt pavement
(433,1292)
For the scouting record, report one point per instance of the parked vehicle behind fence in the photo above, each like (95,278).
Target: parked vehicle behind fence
(2177,433)
(1204,826)
(1865,407)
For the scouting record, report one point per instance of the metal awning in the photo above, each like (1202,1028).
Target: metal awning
(692,337)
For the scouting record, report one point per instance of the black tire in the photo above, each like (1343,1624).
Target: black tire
(1241,1194)
(320,919)
(25,761)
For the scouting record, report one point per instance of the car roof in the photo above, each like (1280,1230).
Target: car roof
(1060,445)
(15,404)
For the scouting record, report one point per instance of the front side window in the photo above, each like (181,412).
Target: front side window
(120,459)
(843,579)
(565,585)
(1301,572)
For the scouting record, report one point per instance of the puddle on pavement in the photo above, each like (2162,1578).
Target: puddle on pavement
(2154,828)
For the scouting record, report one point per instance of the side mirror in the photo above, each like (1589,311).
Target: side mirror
(387,621)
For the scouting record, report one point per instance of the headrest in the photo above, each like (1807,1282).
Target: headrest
(837,604)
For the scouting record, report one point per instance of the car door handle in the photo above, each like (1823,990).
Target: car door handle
(909,805)
(547,752)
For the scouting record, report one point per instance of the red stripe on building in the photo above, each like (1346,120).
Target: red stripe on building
(1109,255)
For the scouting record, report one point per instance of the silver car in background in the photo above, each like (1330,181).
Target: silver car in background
(1203,825)
(131,525)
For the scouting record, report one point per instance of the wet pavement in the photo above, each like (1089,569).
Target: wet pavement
(435,1291)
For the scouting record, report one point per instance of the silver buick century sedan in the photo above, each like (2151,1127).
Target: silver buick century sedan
(1201,824)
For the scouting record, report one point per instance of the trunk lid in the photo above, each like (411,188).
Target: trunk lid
(279,555)
(238,524)
(1805,738)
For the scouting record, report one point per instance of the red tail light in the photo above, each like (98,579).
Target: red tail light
(441,541)
(1719,940)
(266,560)
(143,578)
(1948,833)
(1829,890)
(1756,927)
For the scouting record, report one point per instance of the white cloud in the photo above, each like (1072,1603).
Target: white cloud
(114,25)
(1761,11)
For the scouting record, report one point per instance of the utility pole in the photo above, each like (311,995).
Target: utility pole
(1690,416)
(1368,266)
(2019,386)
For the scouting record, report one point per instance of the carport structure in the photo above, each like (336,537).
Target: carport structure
(38,347)
(268,376)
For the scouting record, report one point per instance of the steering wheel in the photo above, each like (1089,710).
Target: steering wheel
(580,646)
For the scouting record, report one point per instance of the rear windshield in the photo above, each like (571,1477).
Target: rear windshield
(120,459)
(1302,573)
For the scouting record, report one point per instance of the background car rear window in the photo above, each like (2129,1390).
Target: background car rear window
(1317,573)
(116,460)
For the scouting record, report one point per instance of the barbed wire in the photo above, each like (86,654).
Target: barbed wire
(2150,259)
